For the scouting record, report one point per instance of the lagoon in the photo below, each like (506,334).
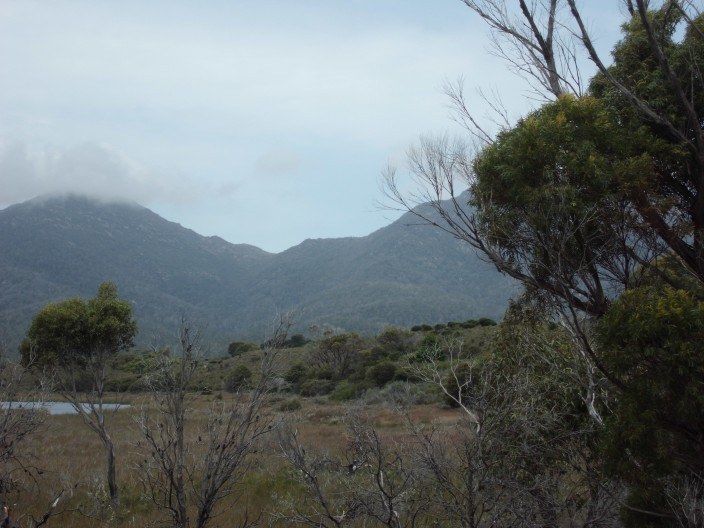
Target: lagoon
(57,407)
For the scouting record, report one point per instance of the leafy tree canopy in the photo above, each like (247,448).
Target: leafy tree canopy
(72,331)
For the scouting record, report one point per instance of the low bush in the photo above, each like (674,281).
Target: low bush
(382,373)
(316,387)
(239,379)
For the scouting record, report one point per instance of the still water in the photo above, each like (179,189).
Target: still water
(57,407)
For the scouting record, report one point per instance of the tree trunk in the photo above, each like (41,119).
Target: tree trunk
(112,480)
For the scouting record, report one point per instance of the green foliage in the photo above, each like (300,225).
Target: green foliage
(124,383)
(339,354)
(72,332)
(349,390)
(238,347)
(382,373)
(316,387)
(135,363)
(296,373)
(428,347)
(396,340)
(239,379)
(373,356)
(653,344)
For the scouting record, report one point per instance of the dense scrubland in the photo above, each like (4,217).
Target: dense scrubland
(457,424)
(328,398)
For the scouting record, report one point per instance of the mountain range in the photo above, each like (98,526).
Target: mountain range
(52,248)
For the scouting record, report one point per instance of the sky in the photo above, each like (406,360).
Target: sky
(263,122)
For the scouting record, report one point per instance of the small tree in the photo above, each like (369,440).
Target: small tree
(239,379)
(75,340)
(239,347)
(338,354)
(184,477)
(17,425)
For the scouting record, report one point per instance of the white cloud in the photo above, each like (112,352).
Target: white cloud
(91,169)
(216,98)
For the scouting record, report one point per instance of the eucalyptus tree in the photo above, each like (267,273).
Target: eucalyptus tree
(74,340)
(586,199)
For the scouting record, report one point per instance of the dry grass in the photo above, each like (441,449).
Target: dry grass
(71,458)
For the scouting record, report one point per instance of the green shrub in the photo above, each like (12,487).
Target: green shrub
(239,379)
(374,355)
(429,346)
(382,373)
(394,340)
(125,383)
(296,374)
(135,363)
(316,387)
(406,374)
(238,347)
(350,391)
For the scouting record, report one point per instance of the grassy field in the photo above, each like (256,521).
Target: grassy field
(70,459)
(66,458)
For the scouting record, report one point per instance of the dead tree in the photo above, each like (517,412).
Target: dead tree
(324,505)
(520,453)
(583,260)
(185,473)
(18,422)
(373,481)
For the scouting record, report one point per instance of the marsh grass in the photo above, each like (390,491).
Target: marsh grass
(70,458)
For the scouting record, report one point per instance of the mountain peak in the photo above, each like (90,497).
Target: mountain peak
(54,247)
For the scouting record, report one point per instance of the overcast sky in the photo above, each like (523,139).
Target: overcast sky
(264,122)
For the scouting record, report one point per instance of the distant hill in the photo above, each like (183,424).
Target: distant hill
(54,248)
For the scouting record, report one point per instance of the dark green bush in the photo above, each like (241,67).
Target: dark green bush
(124,383)
(374,355)
(296,374)
(395,340)
(239,379)
(406,374)
(382,373)
(238,347)
(350,391)
(316,387)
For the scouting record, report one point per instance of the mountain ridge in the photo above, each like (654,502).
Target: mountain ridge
(58,247)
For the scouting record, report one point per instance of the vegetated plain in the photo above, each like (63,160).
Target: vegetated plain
(378,385)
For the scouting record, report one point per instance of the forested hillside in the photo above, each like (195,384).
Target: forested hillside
(53,248)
